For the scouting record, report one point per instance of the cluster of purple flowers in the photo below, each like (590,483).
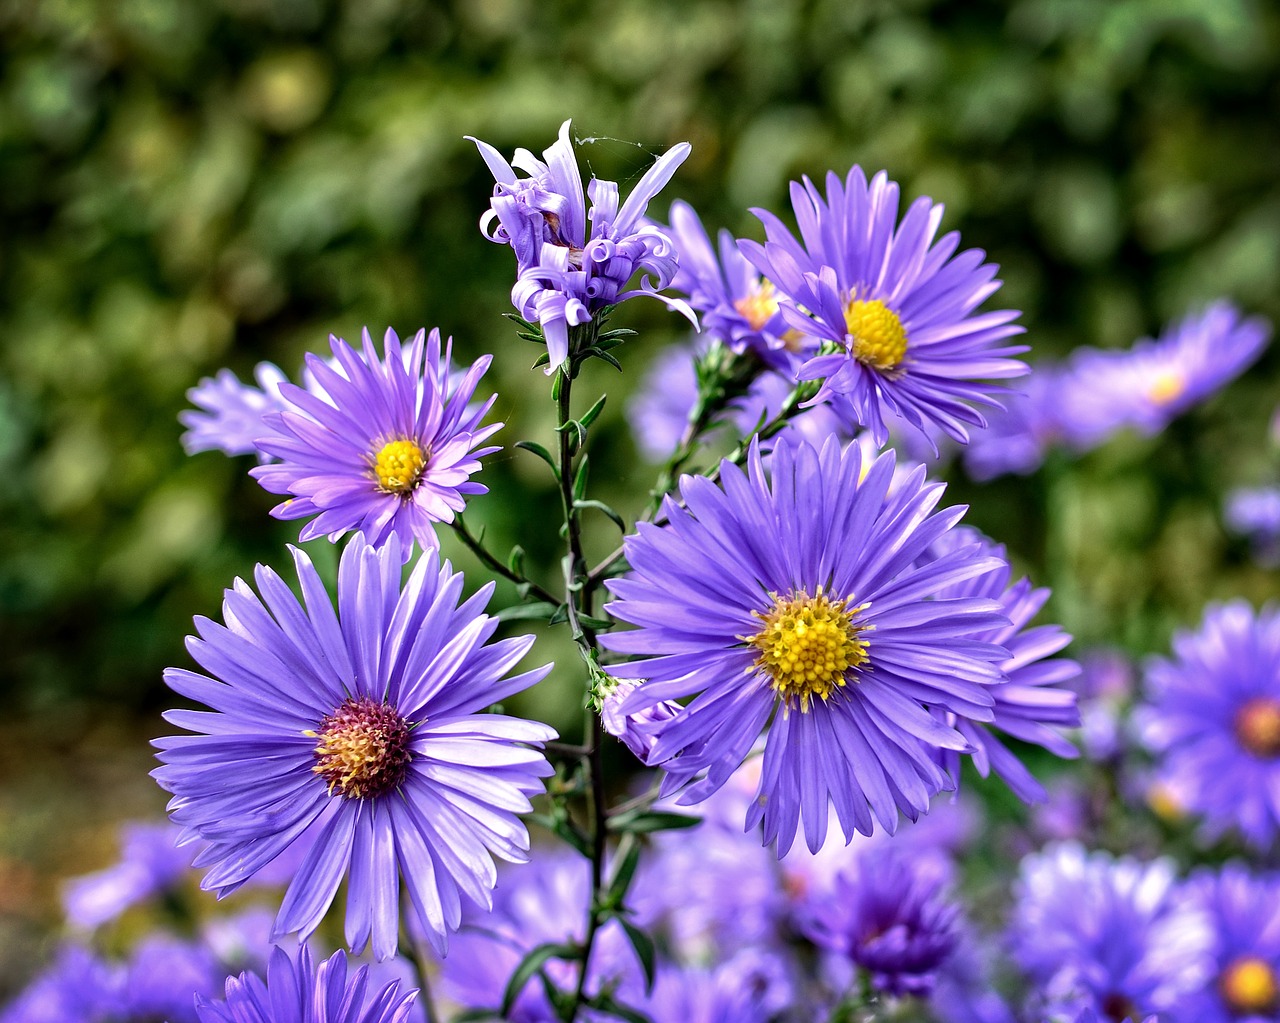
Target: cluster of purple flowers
(816,647)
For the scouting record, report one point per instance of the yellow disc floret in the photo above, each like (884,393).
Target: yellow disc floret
(758,307)
(1166,386)
(808,644)
(876,335)
(362,749)
(1249,986)
(398,466)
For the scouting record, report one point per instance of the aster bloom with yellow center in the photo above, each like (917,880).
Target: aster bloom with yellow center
(1243,982)
(797,605)
(899,307)
(356,741)
(1213,718)
(1149,385)
(384,445)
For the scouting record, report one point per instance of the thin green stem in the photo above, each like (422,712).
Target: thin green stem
(477,547)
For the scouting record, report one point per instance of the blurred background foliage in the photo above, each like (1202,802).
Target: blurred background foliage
(191,184)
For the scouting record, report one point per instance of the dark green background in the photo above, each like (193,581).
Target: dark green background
(188,185)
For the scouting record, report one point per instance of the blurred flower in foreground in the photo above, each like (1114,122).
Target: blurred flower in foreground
(360,733)
(388,448)
(1152,383)
(1104,934)
(1213,718)
(1255,515)
(1244,913)
(896,303)
(150,863)
(229,416)
(299,991)
(572,262)
(803,602)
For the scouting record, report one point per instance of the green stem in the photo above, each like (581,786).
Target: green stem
(473,544)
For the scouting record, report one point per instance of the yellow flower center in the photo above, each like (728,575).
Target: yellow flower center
(877,336)
(398,466)
(808,645)
(1248,985)
(1166,386)
(759,307)
(363,749)
(1258,726)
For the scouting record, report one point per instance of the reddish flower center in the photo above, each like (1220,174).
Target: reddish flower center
(362,749)
(1249,986)
(1258,726)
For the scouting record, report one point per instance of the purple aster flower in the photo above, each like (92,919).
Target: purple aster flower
(1244,914)
(230,416)
(387,449)
(896,304)
(892,917)
(299,991)
(77,988)
(802,602)
(1147,386)
(1018,435)
(1032,704)
(639,731)
(737,305)
(1112,934)
(1213,718)
(544,902)
(360,733)
(572,262)
(749,988)
(151,862)
(1255,514)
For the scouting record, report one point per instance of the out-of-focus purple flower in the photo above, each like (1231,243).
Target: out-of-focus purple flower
(229,416)
(1106,686)
(572,262)
(1152,383)
(1018,436)
(150,862)
(1213,718)
(545,901)
(749,988)
(77,988)
(1110,934)
(890,916)
(1033,703)
(297,990)
(1255,514)
(736,304)
(799,603)
(1244,913)
(898,306)
(362,733)
(387,450)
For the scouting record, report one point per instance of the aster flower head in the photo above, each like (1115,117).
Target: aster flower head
(892,917)
(801,601)
(572,262)
(1243,909)
(1213,719)
(1150,384)
(1032,703)
(298,990)
(1254,513)
(736,305)
(898,307)
(1019,435)
(228,414)
(1111,934)
(150,862)
(361,734)
(387,449)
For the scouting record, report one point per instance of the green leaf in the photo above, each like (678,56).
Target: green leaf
(600,506)
(596,624)
(563,829)
(542,360)
(541,452)
(594,411)
(643,944)
(607,358)
(515,561)
(561,615)
(536,958)
(580,483)
(640,822)
(623,872)
(580,432)
(538,610)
